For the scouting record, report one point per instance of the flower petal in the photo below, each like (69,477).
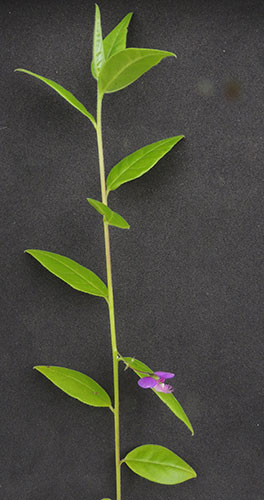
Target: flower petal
(165,374)
(147,382)
(167,389)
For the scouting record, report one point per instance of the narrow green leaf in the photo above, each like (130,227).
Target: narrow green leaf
(68,96)
(71,272)
(126,66)
(138,366)
(76,384)
(158,464)
(143,370)
(139,162)
(111,217)
(98,48)
(115,40)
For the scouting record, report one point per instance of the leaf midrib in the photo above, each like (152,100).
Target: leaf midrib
(79,382)
(158,463)
(133,164)
(76,272)
(118,33)
(125,67)
(74,102)
(57,87)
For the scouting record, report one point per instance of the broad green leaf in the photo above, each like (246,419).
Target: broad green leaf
(115,40)
(98,48)
(158,464)
(71,272)
(126,66)
(140,162)
(64,93)
(76,384)
(143,370)
(111,217)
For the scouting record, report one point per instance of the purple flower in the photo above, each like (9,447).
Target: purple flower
(156,382)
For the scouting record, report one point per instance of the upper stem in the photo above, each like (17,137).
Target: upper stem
(110,299)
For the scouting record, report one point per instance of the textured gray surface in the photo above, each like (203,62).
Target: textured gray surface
(187,275)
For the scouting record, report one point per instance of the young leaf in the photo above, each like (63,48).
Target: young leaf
(138,366)
(169,400)
(140,162)
(126,66)
(158,464)
(71,272)
(115,40)
(76,384)
(98,48)
(64,93)
(111,217)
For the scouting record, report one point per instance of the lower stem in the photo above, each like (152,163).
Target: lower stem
(110,302)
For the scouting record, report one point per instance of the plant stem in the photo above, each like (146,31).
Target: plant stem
(110,300)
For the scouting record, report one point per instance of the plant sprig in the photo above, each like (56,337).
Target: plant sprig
(115,67)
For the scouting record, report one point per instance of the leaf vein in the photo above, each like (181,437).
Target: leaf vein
(132,165)
(85,279)
(125,67)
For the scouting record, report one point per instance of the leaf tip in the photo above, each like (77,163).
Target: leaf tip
(97,9)
(37,367)
(29,251)
(40,368)
(194,474)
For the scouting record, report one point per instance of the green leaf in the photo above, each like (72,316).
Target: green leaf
(64,93)
(138,366)
(111,217)
(143,370)
(98,48)
(126,66)
(71,272)
(158,464)
(115,40)
(76,384)
(139,162)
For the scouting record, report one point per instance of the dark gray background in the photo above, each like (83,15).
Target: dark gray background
(187,275)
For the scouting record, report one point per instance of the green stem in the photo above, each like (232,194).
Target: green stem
(110,299)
